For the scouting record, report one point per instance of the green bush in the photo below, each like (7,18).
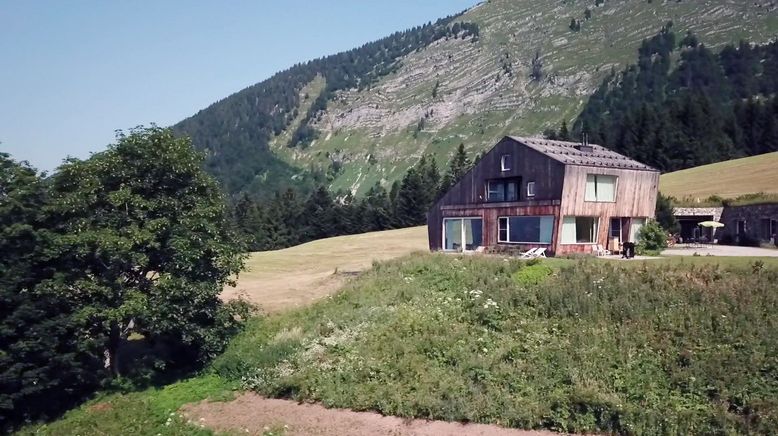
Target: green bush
(652,238)
(532,275)
(595,347)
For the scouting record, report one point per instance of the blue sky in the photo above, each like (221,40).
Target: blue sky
(71,73)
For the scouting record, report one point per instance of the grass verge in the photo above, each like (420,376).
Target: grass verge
(150,412)
(656,348)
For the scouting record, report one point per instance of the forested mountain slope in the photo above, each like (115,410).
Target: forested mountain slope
(509,66)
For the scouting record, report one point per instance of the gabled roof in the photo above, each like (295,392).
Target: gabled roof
(569,154)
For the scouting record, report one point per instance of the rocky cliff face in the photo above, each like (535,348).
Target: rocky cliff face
(475,90)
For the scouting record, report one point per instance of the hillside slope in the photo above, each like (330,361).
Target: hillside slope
(473,90)
(297,276)
(728,179)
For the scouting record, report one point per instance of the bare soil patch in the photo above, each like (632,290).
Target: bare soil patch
(254,415)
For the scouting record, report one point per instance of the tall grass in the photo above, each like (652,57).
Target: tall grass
(664,349)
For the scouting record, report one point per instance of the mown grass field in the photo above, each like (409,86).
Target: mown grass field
(728,179)
(676,345)
(297,276)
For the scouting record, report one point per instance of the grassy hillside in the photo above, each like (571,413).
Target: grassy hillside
(671,349)
(297,276)
(682,347)
(728,179)
(484,89)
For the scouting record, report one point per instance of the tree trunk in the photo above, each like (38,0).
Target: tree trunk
(112,351)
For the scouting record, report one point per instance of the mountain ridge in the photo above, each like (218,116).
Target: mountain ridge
(476,88)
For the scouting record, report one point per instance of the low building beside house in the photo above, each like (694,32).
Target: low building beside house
(743,225)
(750,224)
(529,192)
(689,219)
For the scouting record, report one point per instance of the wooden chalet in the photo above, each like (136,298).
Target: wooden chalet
(530,192)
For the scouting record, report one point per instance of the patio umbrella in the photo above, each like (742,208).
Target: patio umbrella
(711,224)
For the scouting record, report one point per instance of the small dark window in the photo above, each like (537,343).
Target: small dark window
(502,190)
(530,189)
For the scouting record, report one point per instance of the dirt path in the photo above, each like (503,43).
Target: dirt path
(254,415)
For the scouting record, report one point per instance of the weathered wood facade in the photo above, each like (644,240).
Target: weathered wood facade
(558,173)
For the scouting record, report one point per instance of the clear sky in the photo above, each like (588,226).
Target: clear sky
(72,72)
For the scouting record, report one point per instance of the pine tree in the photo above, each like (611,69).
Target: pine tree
(319,218)
(378,214)
(410,195)
(564,133)
(430,179)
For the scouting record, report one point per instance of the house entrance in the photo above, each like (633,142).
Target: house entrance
(462,234)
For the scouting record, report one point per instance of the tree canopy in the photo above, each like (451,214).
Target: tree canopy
(145,243)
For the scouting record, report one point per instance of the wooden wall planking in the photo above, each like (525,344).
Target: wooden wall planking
(636,193)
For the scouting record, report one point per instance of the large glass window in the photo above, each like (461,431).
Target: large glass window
(502,190)
(600,188)
(525,229)
(462,234)
(580,229)
(634,230)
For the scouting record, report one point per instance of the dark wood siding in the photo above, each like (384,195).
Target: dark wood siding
(559,191)
(528,164)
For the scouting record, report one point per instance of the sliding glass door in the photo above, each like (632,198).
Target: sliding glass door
(462,234)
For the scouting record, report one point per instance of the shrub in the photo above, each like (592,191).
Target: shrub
(651,238)
(532,274)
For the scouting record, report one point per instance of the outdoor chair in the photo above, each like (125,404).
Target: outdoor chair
(600,251)
(534,253)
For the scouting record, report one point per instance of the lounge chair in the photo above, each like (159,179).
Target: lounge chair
(534,253)
(600,251)
(529,254)
(541,252)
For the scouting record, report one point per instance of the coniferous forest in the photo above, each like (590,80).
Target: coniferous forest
(684,105)
(293,217)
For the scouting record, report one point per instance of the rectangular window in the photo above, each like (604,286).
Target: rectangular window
(634,230)
(616,228)
(495,191)
(525,229)
(530,189)
(505,162)
(580,229)
(600,188)
(502,190)
(462,234)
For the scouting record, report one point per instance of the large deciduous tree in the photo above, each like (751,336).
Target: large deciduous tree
(145,246)
(45,363)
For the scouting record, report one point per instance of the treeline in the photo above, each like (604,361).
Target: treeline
(134,242)
(292,218)
(235,132)
(704,108)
